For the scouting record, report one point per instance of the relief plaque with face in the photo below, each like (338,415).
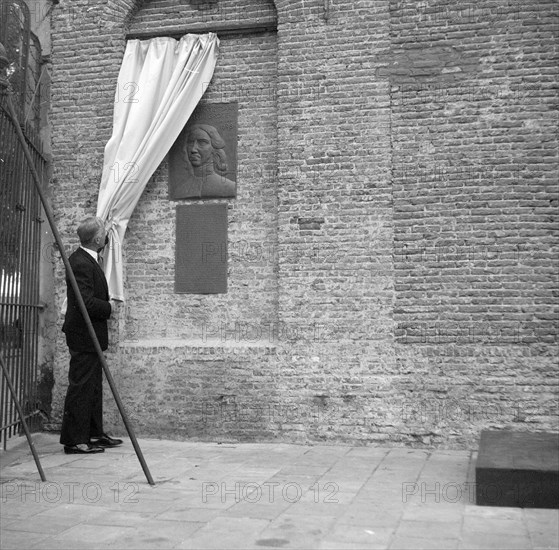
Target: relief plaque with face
(203,160)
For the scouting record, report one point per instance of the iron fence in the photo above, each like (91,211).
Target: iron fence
(20,233)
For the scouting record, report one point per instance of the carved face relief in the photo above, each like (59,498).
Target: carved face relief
(203,159)
(199,148)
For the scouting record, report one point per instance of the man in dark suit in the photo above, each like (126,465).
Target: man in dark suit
(82,423)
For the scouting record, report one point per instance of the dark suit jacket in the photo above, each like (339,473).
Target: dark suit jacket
(95,293)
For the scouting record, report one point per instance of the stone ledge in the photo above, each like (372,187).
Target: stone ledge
(210,344)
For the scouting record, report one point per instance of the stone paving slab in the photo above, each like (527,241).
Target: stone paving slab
(255,496)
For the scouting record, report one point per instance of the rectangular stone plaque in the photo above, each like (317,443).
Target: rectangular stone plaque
(203,159)
(201,249)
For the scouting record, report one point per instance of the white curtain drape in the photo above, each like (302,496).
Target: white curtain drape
(160,83)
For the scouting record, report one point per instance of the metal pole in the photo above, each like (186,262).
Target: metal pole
(22,416)
(74,284)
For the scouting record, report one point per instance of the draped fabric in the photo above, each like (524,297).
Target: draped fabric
(160,83)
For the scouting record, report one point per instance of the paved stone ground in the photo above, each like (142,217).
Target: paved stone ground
(210,495)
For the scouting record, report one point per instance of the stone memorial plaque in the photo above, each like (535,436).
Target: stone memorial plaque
(203,159)
(201,249)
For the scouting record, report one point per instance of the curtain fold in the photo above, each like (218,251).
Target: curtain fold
(159,84)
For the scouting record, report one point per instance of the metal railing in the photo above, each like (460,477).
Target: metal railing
(20,233)
(20,216)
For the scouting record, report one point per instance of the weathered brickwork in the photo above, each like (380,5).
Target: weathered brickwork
(391,246)
(474,119)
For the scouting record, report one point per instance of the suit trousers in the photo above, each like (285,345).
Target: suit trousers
(83,407)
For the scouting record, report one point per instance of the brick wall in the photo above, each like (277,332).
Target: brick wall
(475,205)
(390,265)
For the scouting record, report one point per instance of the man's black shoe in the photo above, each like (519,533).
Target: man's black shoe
(82,449)
(105,441)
